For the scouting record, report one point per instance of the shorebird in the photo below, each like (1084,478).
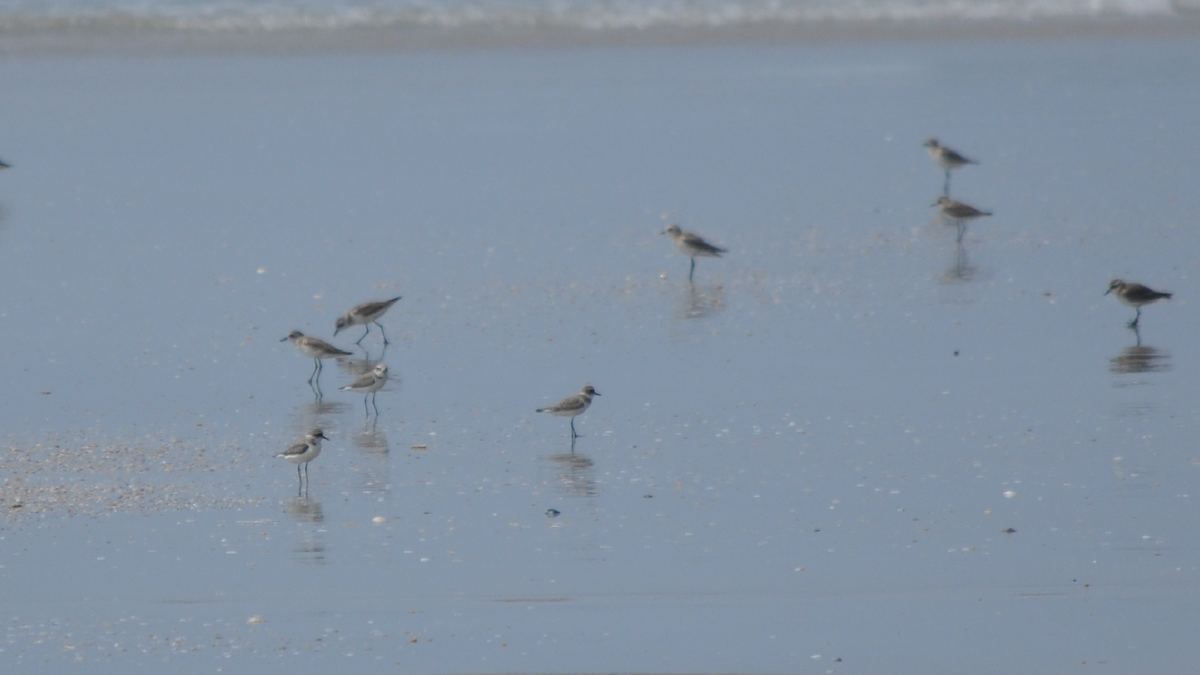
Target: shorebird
(369,384)
(364,315)
(946,158)
(1135,295)
(959,212)
(572,406)
(315,349)
(304,451)
(692,246)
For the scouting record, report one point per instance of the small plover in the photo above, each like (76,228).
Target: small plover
(364,315)
(315,349)
(946,158)
(369,384)
(959,212)
(572,406)
(304,452)
(1135,295)
(692,246)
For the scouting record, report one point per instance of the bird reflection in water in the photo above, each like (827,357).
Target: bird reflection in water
(1140,358)
(356,368)
(305,510)
(371,439)
(319,414)
(700,302)
(311,547)
(374,474)
(962,270)
(576,473)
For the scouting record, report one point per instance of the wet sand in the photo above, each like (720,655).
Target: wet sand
(854,445)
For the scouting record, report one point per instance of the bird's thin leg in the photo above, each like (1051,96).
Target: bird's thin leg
(572,445)
(692,270)
(373,404)
(573,434)
(366,413)
(316,368)
(962,229)
(381,330)
(364,335)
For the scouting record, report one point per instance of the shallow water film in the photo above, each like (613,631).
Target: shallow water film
(866,439)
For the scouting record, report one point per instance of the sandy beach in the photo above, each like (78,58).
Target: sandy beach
(855,444)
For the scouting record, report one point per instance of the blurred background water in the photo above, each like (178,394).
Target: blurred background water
(854,445)
(18,16)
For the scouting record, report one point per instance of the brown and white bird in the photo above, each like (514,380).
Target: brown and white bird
(572,406)
(304,452)
(692,245)
(364,315)
(1135,295)
(315,349)
(369,384)
(947,158)
(959,212)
